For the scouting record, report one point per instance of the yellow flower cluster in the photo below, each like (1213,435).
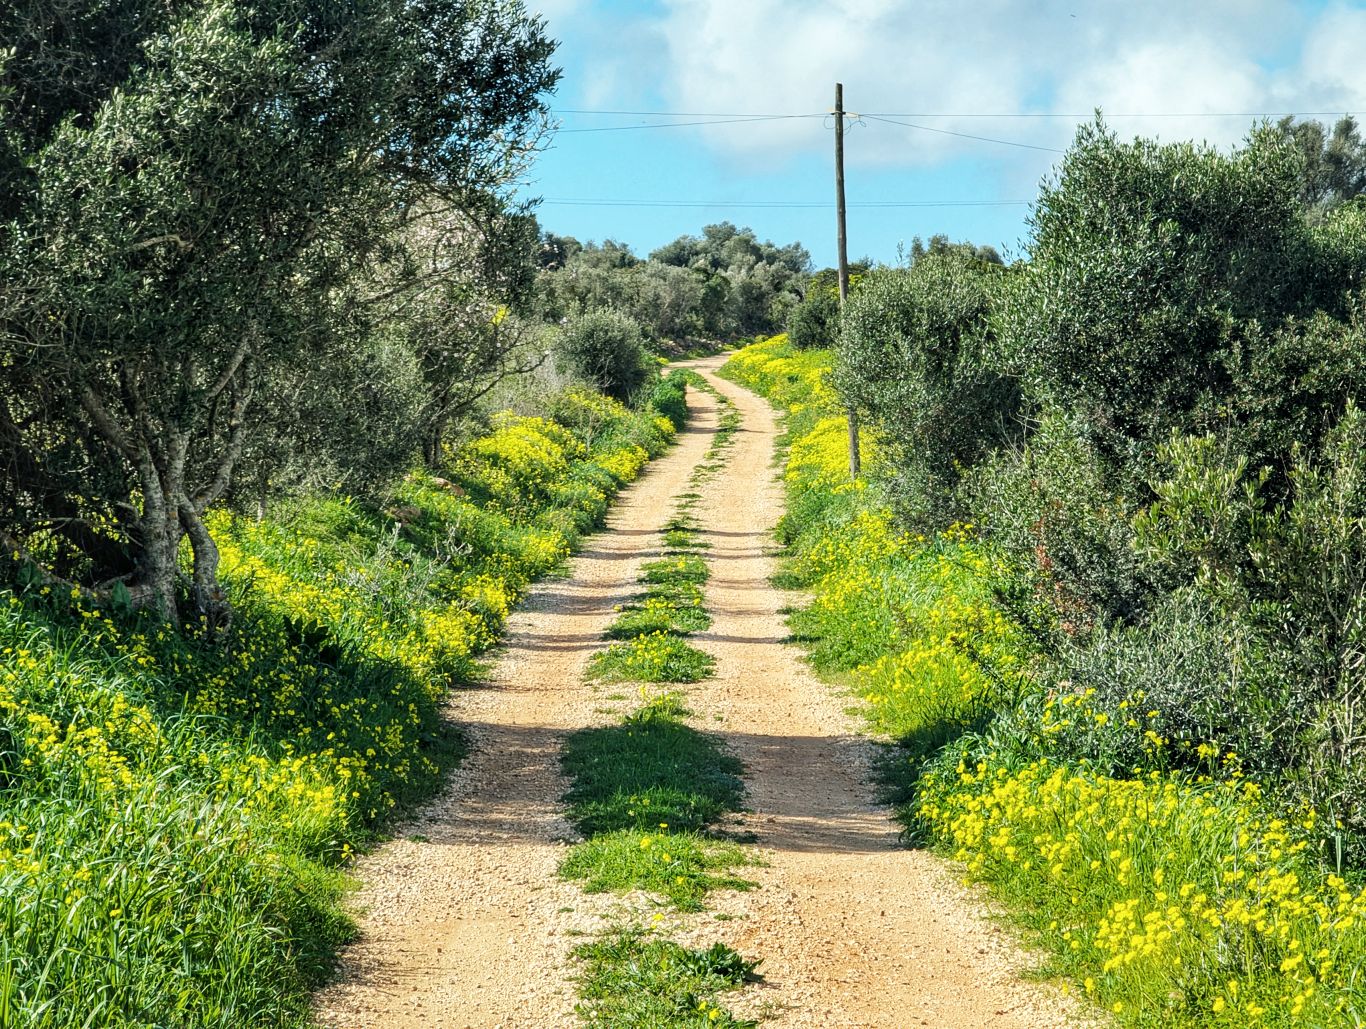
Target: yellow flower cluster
(1166,885)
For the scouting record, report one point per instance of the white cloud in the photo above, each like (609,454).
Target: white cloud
(555,11)
(1002,57)
(1333,62)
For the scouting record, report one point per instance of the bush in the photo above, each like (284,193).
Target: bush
(914,359)
(1148,261)
(814,322)
(1061,509)
(670,397)
(607,350)
(1292,385)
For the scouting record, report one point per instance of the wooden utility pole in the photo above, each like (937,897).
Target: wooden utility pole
(855,464)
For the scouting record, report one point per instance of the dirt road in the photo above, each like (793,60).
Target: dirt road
(464,922)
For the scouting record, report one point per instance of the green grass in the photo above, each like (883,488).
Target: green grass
(678,867)
(680,594)
(654,614)
(675,569)
(660,657)
(644,792)
(631,979)
(682,535)
(651,768)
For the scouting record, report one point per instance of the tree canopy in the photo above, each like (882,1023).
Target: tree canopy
(206,206)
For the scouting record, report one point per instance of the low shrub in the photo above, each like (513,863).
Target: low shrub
(607,349)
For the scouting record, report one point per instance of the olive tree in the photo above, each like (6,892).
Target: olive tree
(1146,260)
(915,358)
(205,205)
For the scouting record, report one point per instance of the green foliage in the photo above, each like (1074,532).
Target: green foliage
(722,285)
(1126,715)
(1291,386)
(914,360)
(1063,509)
(667,613)
(1147,261)
(814,322)
(1334,169)
(606,349)
(660,656)
(670,398)
(679,867)
(632,979)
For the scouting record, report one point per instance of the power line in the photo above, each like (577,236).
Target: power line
(750,119)
(745,119)
(1107,114)
(690,114)
(960,114)
(775,204)
(964,135)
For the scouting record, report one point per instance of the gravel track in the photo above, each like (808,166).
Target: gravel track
(464,921)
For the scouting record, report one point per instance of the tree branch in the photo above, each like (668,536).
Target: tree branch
(104,422)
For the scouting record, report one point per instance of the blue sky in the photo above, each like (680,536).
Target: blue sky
(1009,71)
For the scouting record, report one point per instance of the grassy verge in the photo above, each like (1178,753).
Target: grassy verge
(1170,899)
(174,815)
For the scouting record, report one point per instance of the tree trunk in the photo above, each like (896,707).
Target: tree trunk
(159,528)
(211,603)
(431,444)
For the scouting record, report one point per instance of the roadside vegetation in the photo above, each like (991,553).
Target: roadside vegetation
(1103,584)
(174,811)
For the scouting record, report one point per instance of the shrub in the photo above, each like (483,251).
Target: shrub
(1147,261)
(1062,510)
(607,350)
(814,322)
(914,358)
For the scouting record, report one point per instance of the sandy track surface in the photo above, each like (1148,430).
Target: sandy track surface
(465,924)
(459,919)
(852,928)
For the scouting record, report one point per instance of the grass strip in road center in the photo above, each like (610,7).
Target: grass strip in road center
(644,793)
(650,646)
(632,978)
(647,792)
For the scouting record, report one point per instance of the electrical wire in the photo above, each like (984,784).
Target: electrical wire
(964,135)
(958,114)
(745,119)
(750,119)
(775,204)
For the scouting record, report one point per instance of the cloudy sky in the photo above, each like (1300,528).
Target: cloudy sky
(630,162)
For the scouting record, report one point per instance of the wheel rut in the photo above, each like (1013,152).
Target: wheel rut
(459,916)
